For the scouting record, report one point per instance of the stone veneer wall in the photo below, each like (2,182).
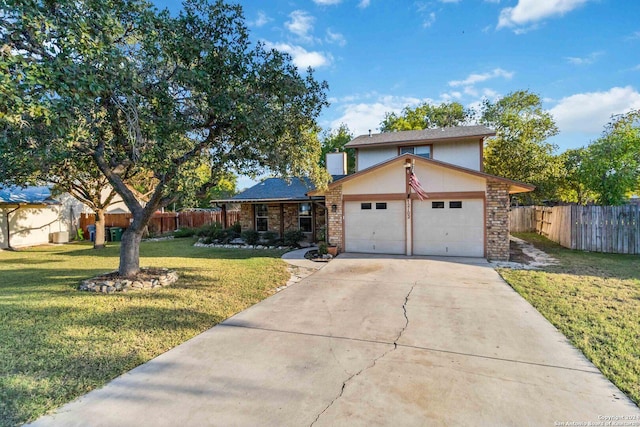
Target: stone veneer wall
(497,221)
(290,217)
(246,216)
(334,228)
(274,218)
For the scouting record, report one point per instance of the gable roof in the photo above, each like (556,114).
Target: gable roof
(514,186)
(274,190)
(414,136)
(36,195)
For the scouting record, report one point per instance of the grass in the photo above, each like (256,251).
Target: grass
(57,343)
(594,300)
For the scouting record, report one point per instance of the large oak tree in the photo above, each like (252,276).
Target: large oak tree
(134,90)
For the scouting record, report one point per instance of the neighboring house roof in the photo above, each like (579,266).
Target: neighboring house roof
(514,186)
(274,190)
(36,195)
(414,136)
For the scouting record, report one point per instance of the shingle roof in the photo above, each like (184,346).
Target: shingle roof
(36,195)
(410,136)
(274,189)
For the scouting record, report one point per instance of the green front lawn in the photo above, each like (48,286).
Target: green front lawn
(593,299)
(57,343)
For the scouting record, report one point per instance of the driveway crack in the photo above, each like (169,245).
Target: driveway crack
(371,365)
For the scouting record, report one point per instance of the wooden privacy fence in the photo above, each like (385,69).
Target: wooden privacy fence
(609,229)
(163,222)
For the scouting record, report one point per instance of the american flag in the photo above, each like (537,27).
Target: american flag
(417,187)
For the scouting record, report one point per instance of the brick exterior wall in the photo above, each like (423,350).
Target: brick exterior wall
(497,221)
(334,227)
(246,217)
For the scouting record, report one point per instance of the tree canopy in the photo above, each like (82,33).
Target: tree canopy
(426,116)
(610,166)
(520,150)
(336,139)
(133,89)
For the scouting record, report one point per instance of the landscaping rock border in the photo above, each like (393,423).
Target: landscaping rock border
(199,244)
(148,278)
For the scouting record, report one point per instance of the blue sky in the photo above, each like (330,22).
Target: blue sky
(581,56)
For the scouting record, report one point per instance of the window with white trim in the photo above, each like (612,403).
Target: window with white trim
(418,150)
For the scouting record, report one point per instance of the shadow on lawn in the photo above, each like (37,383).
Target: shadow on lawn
(71,351)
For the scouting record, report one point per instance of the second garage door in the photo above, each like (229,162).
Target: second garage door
(448,227)
(375,227)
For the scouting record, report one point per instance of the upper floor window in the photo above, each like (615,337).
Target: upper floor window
(304,217)
(418,150)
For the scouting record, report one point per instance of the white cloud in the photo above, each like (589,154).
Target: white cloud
(634,36)
(261,20)
(490,93)
(335,38)
(301,23)
(450,96)
(528,12)
(477,78)
(590,111)
(429,20)
(302,58)
(364,4)
(362,116)
(589,59)
(327,2)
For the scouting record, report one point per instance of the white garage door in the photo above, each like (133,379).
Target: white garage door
(375,227)
(448,227)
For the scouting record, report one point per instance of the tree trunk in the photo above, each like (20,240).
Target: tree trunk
(130,252)
(99,239)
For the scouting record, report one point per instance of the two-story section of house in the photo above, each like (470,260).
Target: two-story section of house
(462,146)
(420,192)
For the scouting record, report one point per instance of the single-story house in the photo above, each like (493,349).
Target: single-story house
(31,216)
(280,205)
(419,192)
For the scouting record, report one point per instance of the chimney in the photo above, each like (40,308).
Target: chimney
(337,163)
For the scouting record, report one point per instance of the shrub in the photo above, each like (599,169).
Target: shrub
(270,238)
(322,249)
(293,237)
(251,237)
(235,228)
(184,232)
(212,231)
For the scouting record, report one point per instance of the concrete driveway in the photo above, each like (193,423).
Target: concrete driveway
(366,341)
